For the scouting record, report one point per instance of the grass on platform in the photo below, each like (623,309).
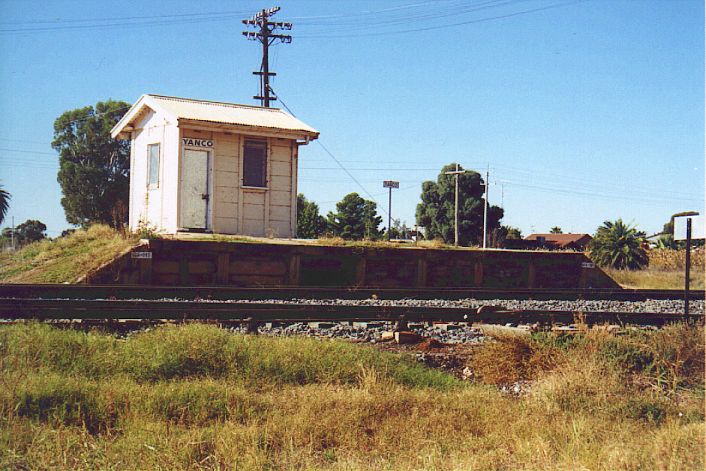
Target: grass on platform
(196,397)
(65,259)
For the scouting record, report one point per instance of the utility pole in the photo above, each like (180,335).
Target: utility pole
(485,207)
(687,267)
(455,173)
(267,37)
(13,233)
(390,184)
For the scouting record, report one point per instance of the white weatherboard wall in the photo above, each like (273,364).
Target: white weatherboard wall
(153,207)
(237,209)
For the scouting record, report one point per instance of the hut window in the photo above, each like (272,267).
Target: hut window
(153,170)
(255,164)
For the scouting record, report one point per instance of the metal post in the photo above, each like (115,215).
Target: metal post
(12,234)
(456,210)
(485,209)
(687,267)
(389,213)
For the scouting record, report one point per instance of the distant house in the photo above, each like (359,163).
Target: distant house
(561,241)
(204,166)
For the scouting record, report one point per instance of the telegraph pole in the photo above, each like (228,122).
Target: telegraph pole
(266,36)
(485,208)
(455,173)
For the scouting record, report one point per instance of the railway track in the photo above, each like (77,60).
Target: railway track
(259,312)
(59,291)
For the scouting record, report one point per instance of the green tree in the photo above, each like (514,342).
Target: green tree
(556,230)
(310,224)
(355,218)
(4,203)
(436,211)
(29,231)
(93,167)
(666,240)
(399,230)
(668,227)
(619,245)
(513,232)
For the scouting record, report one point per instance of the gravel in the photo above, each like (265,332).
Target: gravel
(650,305)
(370,331)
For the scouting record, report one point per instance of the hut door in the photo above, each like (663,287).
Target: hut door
(195,195)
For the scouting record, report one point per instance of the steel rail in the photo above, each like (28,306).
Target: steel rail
(81,291)
(43,309)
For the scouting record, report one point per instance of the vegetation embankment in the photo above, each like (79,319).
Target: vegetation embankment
(65,259)
(195,397)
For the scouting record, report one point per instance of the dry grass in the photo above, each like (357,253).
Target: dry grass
(665,271)
(200,398)
(650,278)
(66,259)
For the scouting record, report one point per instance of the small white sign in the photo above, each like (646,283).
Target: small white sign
(588,265)
(189,141)
(697,227)
(141,254)
(390,184)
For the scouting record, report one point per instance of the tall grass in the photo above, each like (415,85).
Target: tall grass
(65,259)
(202,351)
(196,397)
(665,271)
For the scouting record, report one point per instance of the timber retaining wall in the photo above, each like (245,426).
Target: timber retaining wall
(194,263)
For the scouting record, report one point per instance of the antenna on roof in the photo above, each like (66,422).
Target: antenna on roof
(267,38)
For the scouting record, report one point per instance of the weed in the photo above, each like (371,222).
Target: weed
(65,259)
(194,397)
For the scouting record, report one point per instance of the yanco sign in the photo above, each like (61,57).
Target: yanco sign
(188,141)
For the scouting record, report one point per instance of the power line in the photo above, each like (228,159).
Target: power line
(371,19)
(318,141)
(445,26)
(44,29)
(121,18)
(28,151)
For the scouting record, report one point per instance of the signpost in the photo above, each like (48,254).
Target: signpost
(686,228)
(390,184)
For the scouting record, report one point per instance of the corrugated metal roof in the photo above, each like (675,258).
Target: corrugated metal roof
(231,113)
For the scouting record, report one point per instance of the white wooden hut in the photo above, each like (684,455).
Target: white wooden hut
(204,166)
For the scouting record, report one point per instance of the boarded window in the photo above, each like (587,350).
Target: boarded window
(255,164)
(153,172)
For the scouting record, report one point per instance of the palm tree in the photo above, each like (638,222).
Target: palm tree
(619,245)
(556,230)
(4,203)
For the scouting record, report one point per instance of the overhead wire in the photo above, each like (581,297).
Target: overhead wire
(365,190)
(404,14)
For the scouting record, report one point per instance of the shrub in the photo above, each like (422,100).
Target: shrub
(619,245)
(511,358)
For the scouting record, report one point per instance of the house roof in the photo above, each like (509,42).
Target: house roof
(561,240)
(186,109)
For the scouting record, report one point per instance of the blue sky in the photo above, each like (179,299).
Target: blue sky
(584,111)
